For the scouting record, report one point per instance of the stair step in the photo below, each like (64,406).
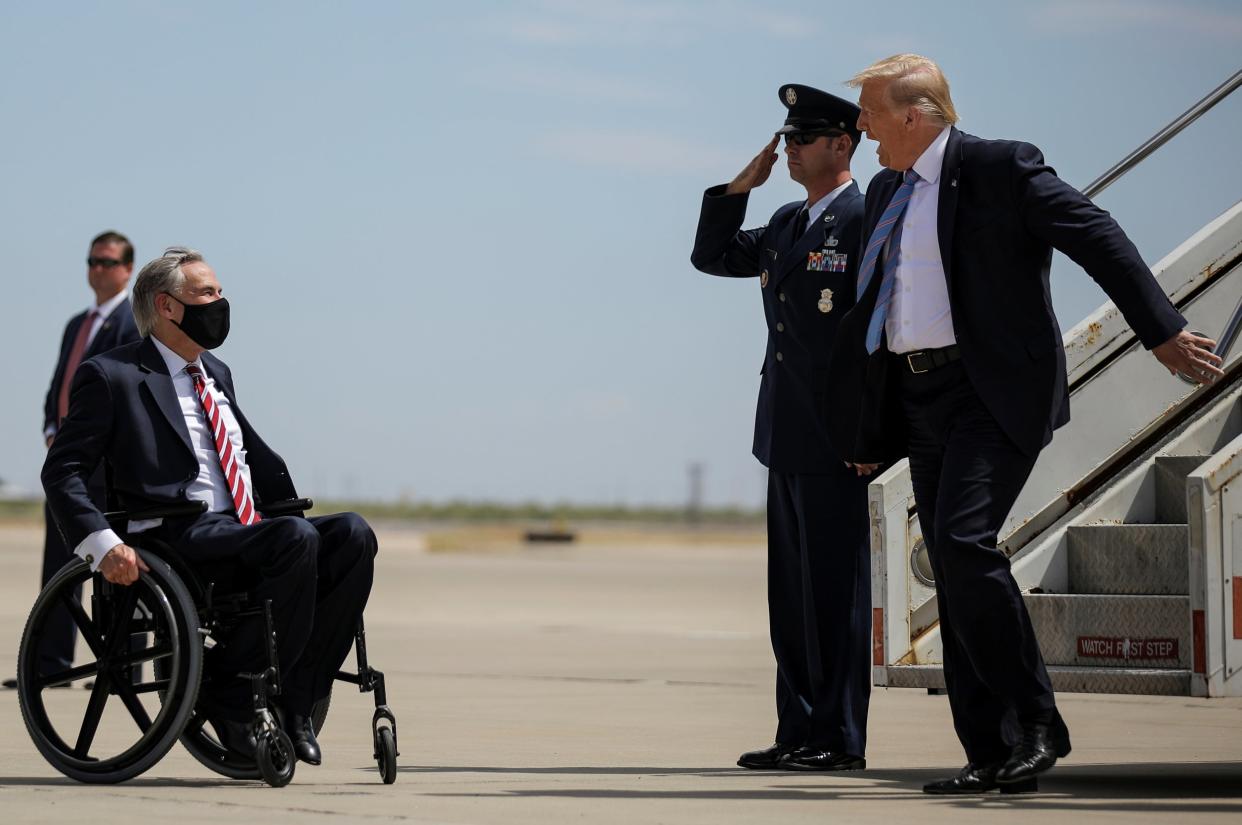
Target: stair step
(1129,559)
(1097,631)
(1171,472)
(1067,679)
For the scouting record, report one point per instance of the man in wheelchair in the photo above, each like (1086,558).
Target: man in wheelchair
(162,414)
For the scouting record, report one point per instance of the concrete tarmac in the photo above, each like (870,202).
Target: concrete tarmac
(615,682)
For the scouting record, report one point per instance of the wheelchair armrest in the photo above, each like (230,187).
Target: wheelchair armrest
(177,510)
(287,507)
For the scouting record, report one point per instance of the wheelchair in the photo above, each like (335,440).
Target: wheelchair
(170,617)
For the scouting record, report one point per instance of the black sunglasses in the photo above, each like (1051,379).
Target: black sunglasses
(807,138)
(106,263)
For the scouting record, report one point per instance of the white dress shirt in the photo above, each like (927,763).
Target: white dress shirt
(919,316)
(823,203)
(210,485)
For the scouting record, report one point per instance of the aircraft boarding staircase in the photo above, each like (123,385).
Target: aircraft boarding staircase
(1127,539)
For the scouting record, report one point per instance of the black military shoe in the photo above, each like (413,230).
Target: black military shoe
(235,736)
(767,759)
(1037,751)
(974,779)
(814,759)
(302,734)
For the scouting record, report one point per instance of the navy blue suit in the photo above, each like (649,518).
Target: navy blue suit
(118,328)
(973,428)
(819,595)
(124,412)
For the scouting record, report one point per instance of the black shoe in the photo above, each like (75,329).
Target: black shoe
(1041,745)
(302,734)
(11,684)
(235,736)
(974,779)
(767,759)
(814,759)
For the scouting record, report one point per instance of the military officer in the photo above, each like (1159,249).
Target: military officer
(819,594)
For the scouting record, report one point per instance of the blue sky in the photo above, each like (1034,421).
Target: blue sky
(456,236)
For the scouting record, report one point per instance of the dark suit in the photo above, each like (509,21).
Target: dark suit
(118,328)
(974,427)
(819,596)
(124,412)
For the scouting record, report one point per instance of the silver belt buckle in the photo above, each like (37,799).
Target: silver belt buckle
(910,362)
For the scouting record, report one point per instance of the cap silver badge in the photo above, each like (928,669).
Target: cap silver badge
(791,97)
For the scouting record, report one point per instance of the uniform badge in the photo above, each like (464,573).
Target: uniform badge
(830,242)
(763,279)
(791,97)
(825,301)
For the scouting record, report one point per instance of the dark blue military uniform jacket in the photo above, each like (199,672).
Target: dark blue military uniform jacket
(807,285)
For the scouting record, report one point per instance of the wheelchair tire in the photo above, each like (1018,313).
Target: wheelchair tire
(275,758)
(158,603)
(206,748)
(386,754)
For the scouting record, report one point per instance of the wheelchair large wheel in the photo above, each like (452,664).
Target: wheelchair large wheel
(110,742)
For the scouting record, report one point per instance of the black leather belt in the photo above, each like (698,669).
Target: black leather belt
(926,360)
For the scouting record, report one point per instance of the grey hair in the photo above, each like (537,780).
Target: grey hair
(161,275)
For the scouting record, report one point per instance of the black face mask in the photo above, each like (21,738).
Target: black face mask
(206,324)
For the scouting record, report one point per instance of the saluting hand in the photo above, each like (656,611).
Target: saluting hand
(122,564)
(757,171)
(1192,356)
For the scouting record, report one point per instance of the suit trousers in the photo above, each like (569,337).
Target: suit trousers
(60,633)
(317,572)
(819,608)
(966,474)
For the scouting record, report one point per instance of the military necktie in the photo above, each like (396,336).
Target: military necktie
(889,226)
(800,223)
(243,502)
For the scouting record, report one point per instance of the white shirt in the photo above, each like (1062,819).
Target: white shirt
(210,485)
(919,316)
(823,203)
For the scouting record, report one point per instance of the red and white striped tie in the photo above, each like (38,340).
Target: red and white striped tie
(243,502)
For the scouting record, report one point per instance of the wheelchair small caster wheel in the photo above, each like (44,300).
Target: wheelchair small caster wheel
(386,754)
(275,758)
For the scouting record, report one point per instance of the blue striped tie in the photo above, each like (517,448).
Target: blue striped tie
(890,224)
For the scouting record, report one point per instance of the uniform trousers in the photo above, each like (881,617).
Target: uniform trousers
(819,608)
(966,474)
(317,571)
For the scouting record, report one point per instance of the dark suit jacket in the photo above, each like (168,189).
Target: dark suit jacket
(790,436)
(123,411)
(1001,212)
(117,329)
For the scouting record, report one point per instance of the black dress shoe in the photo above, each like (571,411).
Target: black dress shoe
(974,779)
(1037,751)
(11,684)
(235,736)
(302,734)
(767,759)
(814,759)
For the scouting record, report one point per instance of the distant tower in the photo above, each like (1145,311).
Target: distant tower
(694,504)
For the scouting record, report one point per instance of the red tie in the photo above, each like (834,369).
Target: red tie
(243,502)
(72,363)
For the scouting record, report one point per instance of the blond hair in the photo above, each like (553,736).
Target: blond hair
(915,81)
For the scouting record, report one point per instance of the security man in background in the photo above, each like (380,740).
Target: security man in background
(106,324)
(819,593)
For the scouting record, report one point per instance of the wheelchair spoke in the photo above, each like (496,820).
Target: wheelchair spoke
(144,655)
(121,616)
(94,712)
(70,675)
(85,626)
(152,687)
(133,705)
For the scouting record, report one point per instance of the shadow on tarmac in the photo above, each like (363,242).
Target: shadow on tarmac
(1211,787)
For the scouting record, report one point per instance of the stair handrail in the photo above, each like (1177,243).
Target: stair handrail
(1164,135)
